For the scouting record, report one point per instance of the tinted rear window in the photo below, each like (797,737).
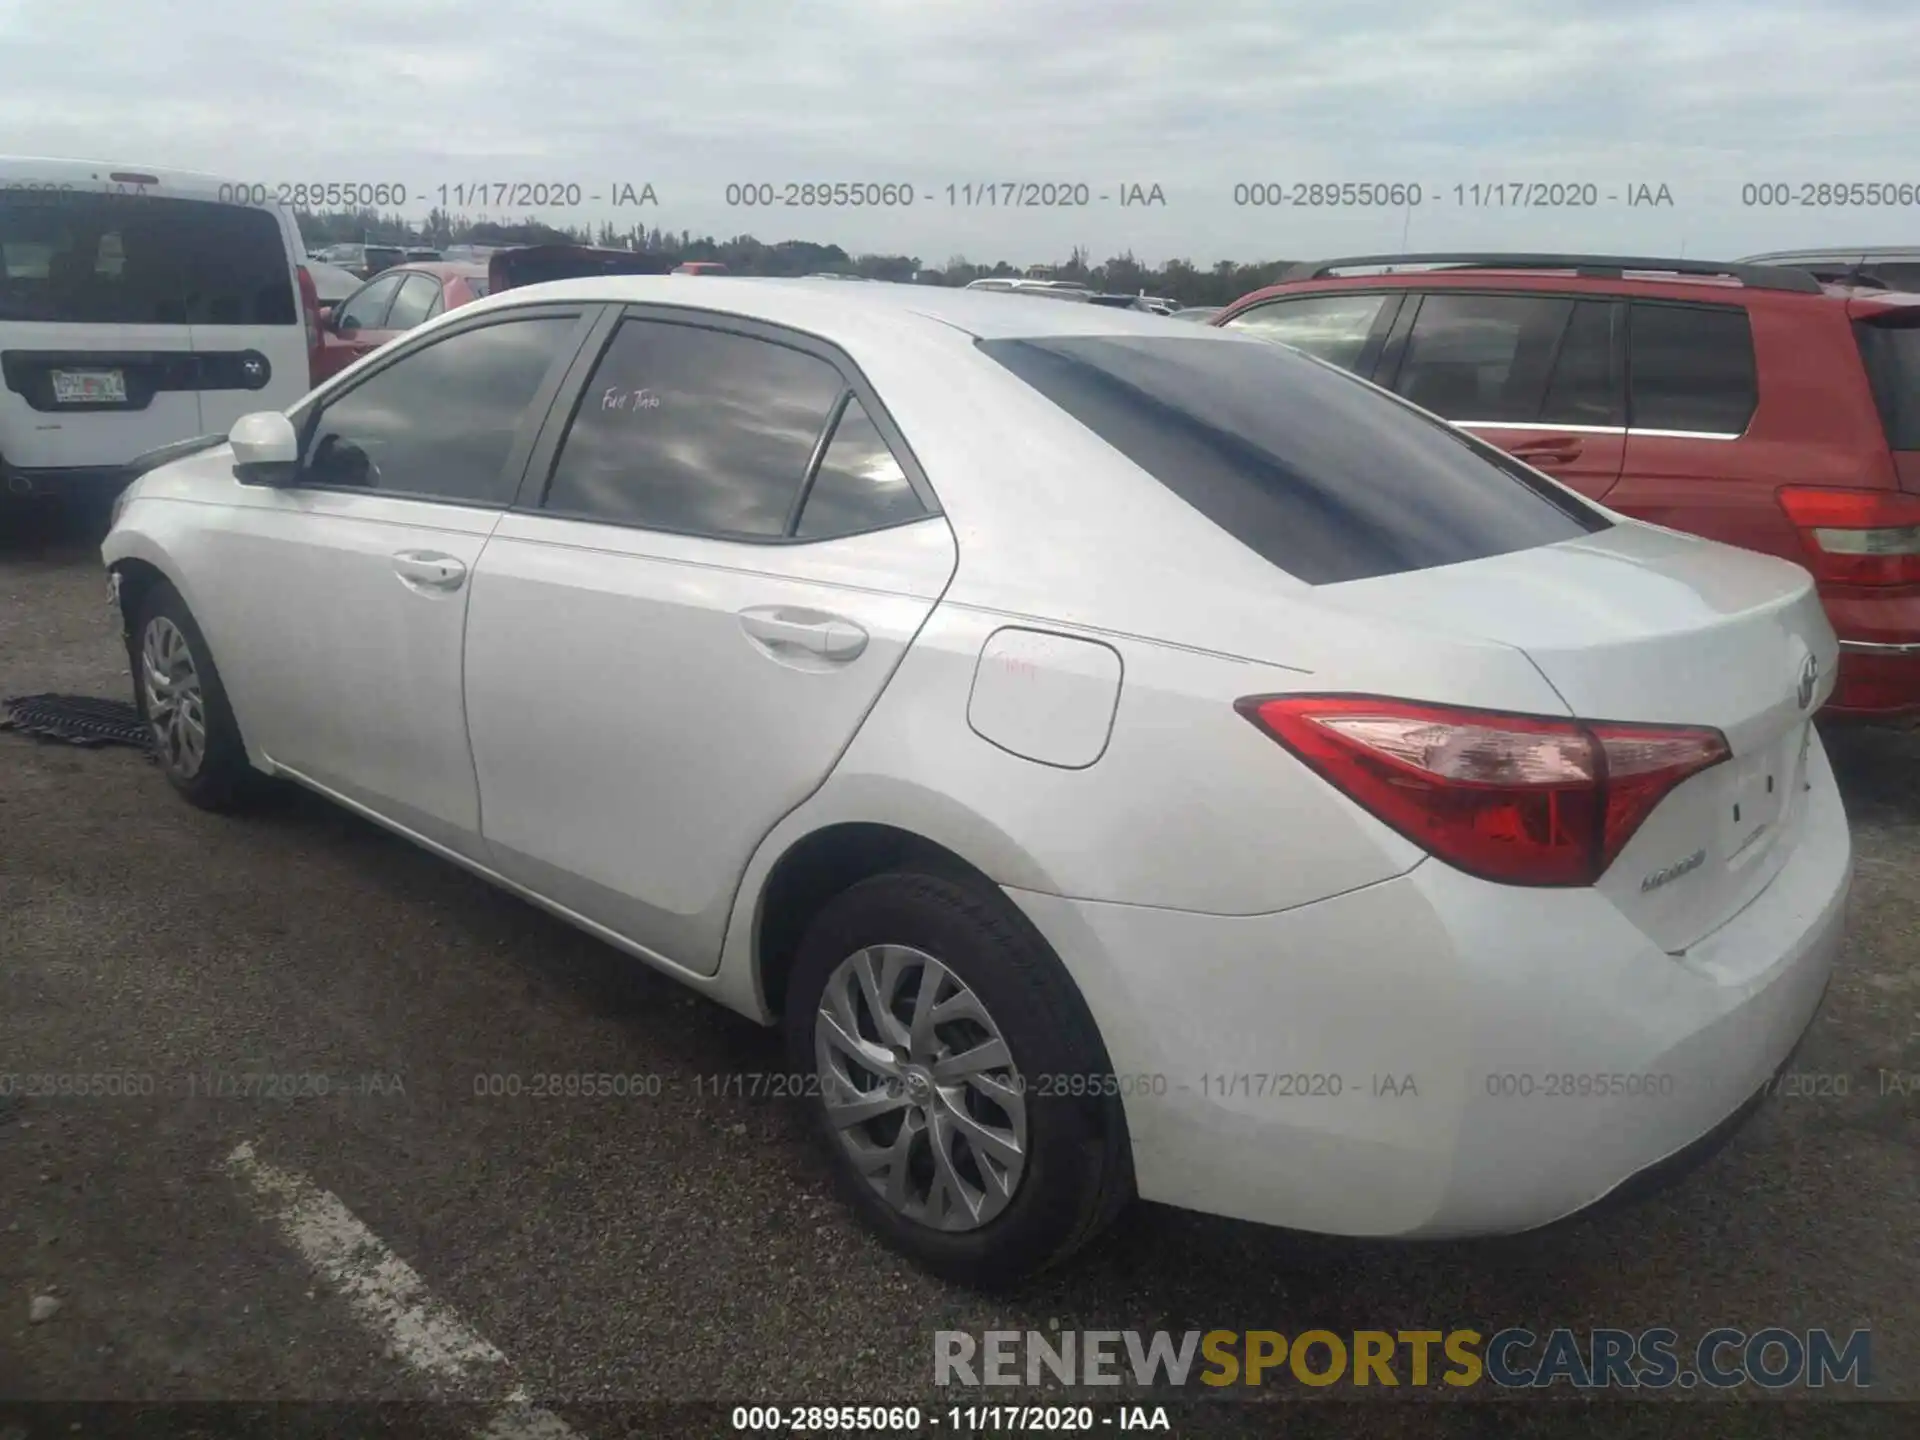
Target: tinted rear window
(75,258)
(1315,471)
(1897,275)
(1892,354)
(1690,368)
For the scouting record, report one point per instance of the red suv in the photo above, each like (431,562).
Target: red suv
(1751,404)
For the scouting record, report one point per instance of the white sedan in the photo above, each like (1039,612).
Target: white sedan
(1124,761)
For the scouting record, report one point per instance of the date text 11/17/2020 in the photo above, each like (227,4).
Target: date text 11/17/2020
(511,196)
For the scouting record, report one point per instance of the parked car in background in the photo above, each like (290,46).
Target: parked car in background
(376,258)
(1895,267)
(700,267)
(389,305)
(1142,303)
(1749,403)
(423,252)
(398,299)
(331,283)
(538,264)
(1042,289)
(729,622)
(137,309)
(1198,314)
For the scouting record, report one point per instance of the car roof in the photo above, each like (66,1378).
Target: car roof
(836,311)
(1647,284)
(1837,253)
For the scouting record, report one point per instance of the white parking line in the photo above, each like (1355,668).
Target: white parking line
(389,1297)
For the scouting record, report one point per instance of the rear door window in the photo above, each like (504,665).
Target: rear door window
(92,259)
(1333,327)
(696,431)
(1690,368)
(1323,476)
(1482,357)
(1892,354)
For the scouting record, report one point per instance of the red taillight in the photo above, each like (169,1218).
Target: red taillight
(1521,799)
(1858,537)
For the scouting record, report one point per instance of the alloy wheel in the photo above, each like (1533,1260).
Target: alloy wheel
(176,706)
(921,1088)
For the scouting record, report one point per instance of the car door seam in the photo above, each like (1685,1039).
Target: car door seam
(853,734)
(466,714)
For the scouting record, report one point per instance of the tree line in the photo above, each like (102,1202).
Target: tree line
(1179,280)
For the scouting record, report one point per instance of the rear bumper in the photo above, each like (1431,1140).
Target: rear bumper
(1879,653)
(101,482)
(1434,1056)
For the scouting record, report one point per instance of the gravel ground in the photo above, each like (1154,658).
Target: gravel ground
(683,1247)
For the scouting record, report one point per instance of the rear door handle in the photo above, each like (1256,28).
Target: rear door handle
(829,636)
(429,570)
(1560,450)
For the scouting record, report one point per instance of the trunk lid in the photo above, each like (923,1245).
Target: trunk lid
(1637,623)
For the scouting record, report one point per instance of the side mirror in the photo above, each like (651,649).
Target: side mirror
(266,451)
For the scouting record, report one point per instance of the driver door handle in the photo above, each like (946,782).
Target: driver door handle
(828,636)
(429,570)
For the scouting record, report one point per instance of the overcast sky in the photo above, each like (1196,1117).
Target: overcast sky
(1194,97)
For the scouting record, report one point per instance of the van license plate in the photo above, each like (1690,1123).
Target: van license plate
(90,387)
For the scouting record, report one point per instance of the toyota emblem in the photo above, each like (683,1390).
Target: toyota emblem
(1809,681)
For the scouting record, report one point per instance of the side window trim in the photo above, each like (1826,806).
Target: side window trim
(515,464)
(1393,353)
(820,444)
(1552,368)
(545,453)
(1375,344)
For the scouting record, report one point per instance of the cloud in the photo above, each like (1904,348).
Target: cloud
(691,96)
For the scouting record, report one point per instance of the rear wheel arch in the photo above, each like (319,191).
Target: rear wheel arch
(822,864)
(825,863)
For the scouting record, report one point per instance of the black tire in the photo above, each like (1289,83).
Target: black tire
(1078,1169)
(223,780)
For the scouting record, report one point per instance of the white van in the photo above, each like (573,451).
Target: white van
(138,308)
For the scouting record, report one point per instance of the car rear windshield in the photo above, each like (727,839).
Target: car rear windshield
(105,259)
(1317,472)
(1892,353)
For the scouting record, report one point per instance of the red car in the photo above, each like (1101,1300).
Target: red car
(1750,404)
(388,306)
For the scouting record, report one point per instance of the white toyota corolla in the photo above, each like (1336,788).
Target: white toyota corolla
(1127,759)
